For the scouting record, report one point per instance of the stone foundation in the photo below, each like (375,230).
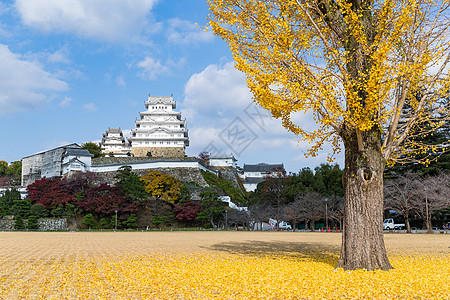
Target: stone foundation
(182,174)
(158,151)
(46,224)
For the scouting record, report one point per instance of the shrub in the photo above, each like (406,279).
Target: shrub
(18,225)
(32,222)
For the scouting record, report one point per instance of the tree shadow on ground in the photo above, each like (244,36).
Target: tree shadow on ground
(327,254)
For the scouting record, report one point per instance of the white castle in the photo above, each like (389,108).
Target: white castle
(160,132)
(113,143)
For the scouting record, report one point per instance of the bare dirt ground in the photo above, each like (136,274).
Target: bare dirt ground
(16,246)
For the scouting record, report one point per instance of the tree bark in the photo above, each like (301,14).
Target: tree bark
(408,226)
(362,238)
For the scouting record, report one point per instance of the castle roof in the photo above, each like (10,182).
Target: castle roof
(262,167)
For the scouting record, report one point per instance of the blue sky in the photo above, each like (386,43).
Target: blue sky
(72,68)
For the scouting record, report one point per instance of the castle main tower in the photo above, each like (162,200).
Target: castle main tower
(160,131)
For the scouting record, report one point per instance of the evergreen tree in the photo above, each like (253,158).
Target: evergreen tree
(131,184)
(39,210)
(18,225)
(212,208)
(89,221)
(131,221)
(58,211)
(93,148)
(7,201)
(32,222)
(21,207)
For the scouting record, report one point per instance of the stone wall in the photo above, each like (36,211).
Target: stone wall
(47,224)
(7,225)
(230,175)
(158,151)
(129,159)
(182,174)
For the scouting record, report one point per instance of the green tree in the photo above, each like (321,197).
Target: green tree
(104,223)
(15,168)
(225,188)
(89,221)
(57,211)
(18,224)
(93,148)
(39,210)
(32,222)
(3,168)
(212,208)
(131,184)
(131,221)
(21,207)
(7,201)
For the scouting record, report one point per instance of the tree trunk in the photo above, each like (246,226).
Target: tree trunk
(362,237)
(408,226)
(429,226)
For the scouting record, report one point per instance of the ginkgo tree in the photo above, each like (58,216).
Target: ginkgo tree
(370,73)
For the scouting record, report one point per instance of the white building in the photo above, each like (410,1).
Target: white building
(254,174)
(160,131)
(223,160)
(113,143)
(55,163)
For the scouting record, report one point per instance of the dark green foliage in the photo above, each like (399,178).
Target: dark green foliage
(71,210)
(161,211)
(93,148)
(32,222)
(325,180)
(131,221)
(18,225)
(104,223)
(131,184)
(158,220)
(89,221)
(38,210)
(212,209)
(224,187)
(438,161)
(58,211)
(7,201)
(10,174)
(21,207)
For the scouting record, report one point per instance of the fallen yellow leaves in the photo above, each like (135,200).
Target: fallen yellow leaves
(213,275)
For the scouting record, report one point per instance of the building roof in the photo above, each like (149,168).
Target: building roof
(253,180)
(73,145)
(223,156)
(114,130)
(78,152)
(262,167)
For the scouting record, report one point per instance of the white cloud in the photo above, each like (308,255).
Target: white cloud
(216,89)
(24,84)
(99,19)
(120,81)
(185,32)
(218,103)
(65,102)
(59,56)
(90,107)
(151,68)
